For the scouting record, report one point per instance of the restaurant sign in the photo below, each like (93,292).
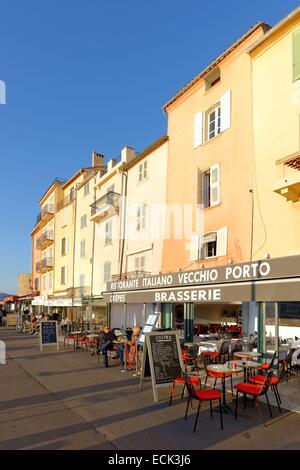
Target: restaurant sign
(277,280)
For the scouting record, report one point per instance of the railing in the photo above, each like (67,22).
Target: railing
(44,264)
(67,200)
(38,218)
(77,292)
(47,209)
(109,199)
(130,275)
(48,235)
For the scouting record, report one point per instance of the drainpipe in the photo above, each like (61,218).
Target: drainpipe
(93,251)
(74,245)
(123,220)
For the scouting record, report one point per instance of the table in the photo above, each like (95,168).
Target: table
(224,369)
(247,355)
(246,365)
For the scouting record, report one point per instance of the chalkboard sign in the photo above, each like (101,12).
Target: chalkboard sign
(163,353)
(48,333)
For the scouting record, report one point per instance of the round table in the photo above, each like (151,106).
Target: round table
(247,365)
(247,355)
(224,369)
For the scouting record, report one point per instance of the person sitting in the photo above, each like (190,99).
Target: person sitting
(121,340)
(106,337)
(131,344)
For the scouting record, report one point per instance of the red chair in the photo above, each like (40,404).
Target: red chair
(273,383)
(196,381)
(255,391)
(202,395)
(267,365)
(216,376)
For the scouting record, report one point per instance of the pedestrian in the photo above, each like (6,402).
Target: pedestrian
(106,337)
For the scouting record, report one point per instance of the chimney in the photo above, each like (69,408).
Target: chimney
(127,154)
(110,164)
(98,161)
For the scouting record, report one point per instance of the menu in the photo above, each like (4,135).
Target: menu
(165,357)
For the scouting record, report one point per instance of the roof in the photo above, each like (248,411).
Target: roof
(155,145)
(276,28)
(213,64)
(76,175)
(51,187)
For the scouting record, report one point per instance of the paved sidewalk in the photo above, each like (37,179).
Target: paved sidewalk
(65,400)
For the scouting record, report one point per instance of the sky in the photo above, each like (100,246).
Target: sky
(94,74)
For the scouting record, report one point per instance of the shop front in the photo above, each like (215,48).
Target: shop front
(261,296)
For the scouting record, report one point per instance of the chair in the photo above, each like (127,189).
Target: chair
(202,395)
(186,357)
(216,376)
(267,365)
(273,383)
(181,379)
(286,365)
(255,390)
(238,347)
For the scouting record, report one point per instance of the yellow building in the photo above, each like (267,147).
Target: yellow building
(276,129)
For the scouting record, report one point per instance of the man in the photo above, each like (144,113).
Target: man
(106,342)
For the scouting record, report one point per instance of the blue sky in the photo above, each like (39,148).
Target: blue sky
(93,74)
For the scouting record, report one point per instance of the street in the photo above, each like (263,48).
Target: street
(66,400)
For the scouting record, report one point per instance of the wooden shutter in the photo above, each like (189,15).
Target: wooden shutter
(199,186)
(215,185)
(66,274)
(296,55)
(198,130)
(222,242)
(226,111)
(67,245)
(194,249)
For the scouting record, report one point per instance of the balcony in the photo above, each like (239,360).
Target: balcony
(46,264)
(130,275)
(106,206)
(66,201)
(288,185)
(45,240)
(79,292)
(46,214)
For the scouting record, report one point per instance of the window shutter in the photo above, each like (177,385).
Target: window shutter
(199,186)
(194,247)
(60,247)
(198,134)
(222,242)
(215,185)
(296,55)
(226,111)
(137,264)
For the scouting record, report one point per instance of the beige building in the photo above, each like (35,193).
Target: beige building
(24,284)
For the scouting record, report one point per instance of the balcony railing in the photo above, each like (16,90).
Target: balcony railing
(45,239)
(46,264)
(78,292)
(130,275)
(46,213)
(67,200)
(105,205)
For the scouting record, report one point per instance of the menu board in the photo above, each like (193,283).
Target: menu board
(48,333)
(11,320)
(148,327)
(162,359)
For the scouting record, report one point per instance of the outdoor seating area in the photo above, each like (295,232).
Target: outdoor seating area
(230,372)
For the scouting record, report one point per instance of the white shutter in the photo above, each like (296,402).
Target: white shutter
(194,249)
(198,134)
(215,185)
(222,242)
(226,111)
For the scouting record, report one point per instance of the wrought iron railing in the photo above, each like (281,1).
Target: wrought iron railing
(130,275)
(109,199)
(47,209)
(67,200)
(48,235)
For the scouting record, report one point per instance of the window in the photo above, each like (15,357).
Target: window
(50,280)
(64,275)
(139,263)
(209,245)
(64,216)
(44,282)
(210,182)
(83,221)
(86,189)
(108,233)
(82,248)
(143,170)
(107,268)
(63,247)
(82,280)
(212,78)
(141,217)
(214,123)
(36,283)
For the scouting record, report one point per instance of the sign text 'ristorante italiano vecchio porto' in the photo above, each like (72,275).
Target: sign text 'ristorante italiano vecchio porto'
(274,279)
